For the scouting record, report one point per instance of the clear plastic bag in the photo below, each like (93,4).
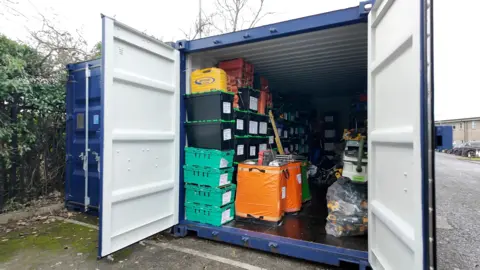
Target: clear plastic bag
(347,207)
(338,230)
(347,198)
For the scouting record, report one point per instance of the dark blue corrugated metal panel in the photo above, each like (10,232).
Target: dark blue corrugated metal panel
(74,176)
(444,137)
(287,28)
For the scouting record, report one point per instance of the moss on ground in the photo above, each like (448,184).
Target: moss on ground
(54,236)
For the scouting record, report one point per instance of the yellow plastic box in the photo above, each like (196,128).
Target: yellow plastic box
(208,79)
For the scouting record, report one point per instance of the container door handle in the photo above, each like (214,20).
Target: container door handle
(97,159)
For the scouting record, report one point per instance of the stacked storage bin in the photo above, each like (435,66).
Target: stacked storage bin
(210,194)
(331,134)
(208,170)
(239,75)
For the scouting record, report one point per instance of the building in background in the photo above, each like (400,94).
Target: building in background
(464,129)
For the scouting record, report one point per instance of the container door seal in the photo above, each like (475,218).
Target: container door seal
(140,160)
(399,110)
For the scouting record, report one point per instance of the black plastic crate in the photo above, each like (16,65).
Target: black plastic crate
(262,124)
(252,123)
(252,151)
(210,134)
(241,122)
(263,144)
(209,106)
(248,99)
(241,147)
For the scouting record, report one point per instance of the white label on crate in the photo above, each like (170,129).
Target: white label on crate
(262,128)
(302,141)
(227,107)
(296,130)
(328,118)
(285,133)
(296,147)
(329,146)
(253,127)
(330,133)
(299,178)
(226,216)
(240,150)
(227,134)
(223,179)
(291,130)
(270,139)
(253,150)
(239,124)
(262,147)
(286,150)
(226,197)
(254,103)
(284,192)
(223,163)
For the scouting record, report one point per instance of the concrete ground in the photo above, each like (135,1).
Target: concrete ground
(458,212)
(54,244)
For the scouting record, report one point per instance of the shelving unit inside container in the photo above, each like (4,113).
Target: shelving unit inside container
(310,121)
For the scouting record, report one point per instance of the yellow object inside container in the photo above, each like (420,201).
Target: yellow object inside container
(208,79)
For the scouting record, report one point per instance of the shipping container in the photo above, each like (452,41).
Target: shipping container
(443,138)
(127,160)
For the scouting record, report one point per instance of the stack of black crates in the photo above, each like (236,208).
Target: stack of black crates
(331,134)
(208,169)
(292,129)
(251,128)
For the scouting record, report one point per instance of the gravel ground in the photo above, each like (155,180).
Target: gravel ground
(458,213)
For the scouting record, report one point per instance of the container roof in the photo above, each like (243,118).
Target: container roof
(329,62)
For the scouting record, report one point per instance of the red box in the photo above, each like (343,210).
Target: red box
(238,63)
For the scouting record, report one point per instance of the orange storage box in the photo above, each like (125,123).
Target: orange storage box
(261,192)
(293,202)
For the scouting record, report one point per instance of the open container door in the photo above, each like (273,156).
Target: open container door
(399,113)
(140,172)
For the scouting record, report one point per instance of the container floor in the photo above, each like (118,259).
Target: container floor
(307,225)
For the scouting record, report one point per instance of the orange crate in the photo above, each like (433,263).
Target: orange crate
(293,202)
(261,192)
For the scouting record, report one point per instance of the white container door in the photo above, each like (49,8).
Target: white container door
(141,95)
(397,123)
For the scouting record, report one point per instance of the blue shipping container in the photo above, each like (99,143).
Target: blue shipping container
(125,132)
(82,77)
(443,138)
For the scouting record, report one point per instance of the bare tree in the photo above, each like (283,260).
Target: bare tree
(229,16)
(236,13)
(8,7)
(58,46)
(202,26)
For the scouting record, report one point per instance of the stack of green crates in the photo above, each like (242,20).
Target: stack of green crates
(210,194)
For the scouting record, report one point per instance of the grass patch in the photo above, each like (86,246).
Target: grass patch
(472,159)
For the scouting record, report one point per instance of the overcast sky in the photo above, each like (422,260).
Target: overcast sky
(457,47)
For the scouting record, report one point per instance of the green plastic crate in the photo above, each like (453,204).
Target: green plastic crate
(207,214)
(305,186)
(215,196)
(205,176)
(209,157)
